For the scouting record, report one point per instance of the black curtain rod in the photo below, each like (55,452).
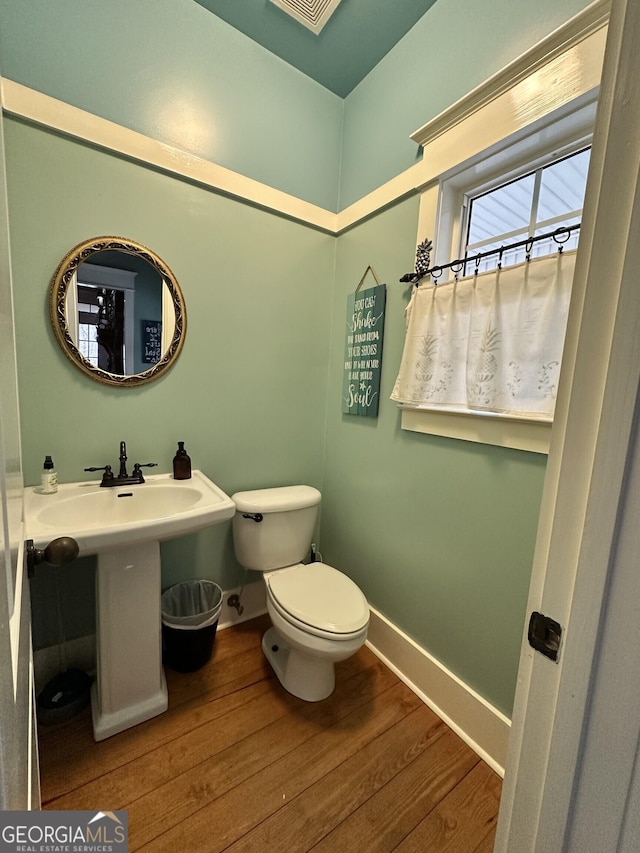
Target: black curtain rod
(560,236)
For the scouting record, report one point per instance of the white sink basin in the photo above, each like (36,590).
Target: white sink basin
(100,518)
(123,525)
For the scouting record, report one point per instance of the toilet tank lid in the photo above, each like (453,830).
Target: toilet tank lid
(278,499)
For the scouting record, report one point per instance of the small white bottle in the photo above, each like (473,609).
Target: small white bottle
(49,478)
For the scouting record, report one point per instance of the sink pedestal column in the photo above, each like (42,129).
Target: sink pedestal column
(130,685)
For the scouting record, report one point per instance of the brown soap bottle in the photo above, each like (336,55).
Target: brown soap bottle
(181,463)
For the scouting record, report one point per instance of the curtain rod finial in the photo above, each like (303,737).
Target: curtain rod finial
(410,278)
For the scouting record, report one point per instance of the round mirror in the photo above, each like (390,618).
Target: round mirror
(117,311)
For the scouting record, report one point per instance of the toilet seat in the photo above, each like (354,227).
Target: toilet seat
(319,600)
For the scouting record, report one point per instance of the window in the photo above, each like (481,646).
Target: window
(544,157)
(87,323)
(539,201)
(517,122)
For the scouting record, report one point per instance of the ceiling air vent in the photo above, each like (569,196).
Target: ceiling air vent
(314,14)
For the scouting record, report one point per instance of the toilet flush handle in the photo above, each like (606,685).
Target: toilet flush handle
(254,516)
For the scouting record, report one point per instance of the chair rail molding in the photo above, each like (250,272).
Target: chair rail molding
(578,45)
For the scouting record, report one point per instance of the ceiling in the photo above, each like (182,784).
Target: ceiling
(353,41)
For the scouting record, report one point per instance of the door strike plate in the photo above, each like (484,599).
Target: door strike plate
(544,635)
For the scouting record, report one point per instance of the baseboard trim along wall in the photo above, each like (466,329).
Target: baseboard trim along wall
(81,652)
(479,724)
(254,603)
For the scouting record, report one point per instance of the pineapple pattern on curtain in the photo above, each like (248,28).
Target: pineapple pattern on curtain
(490,342)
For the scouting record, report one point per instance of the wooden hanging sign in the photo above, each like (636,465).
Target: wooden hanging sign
(364,333)
(151,341)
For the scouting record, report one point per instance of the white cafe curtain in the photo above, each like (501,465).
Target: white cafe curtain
(490,342)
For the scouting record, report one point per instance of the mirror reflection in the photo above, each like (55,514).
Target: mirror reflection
(117,311)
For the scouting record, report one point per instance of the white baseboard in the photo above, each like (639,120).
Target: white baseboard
(81,653)
(254,603)
(479,724)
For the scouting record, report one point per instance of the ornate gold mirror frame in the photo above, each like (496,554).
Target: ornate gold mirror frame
(65,278)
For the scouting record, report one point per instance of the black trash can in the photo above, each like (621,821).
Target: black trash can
(190,612)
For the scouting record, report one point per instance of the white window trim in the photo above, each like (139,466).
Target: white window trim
(558,131)
(483,428)
(566,136)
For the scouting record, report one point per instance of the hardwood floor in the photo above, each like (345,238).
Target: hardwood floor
(237,764)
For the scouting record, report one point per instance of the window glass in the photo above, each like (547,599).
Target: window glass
(537,203)
(562,187)
(88,342)
(506,210)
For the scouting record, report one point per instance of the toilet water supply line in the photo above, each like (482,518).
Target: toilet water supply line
(235,600)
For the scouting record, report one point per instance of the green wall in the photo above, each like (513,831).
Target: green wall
(174,71)
(438,532)
(453,48)
(247,394)
(177,73)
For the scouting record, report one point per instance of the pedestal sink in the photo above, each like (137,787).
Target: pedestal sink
(124,526)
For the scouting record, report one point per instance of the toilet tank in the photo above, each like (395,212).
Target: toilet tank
(283,535)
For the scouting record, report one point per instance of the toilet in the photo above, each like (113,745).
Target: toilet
(319,616)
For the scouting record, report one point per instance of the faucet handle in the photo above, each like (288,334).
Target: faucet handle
(137,473)
(108,473)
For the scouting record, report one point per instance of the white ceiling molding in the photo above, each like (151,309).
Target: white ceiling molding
(591,19)
(313,14)
(449,140)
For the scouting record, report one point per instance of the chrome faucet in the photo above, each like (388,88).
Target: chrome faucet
(123,479)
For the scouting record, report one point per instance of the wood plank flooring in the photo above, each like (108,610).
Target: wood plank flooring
(237,764)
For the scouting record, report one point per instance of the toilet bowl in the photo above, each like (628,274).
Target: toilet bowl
(319,616)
